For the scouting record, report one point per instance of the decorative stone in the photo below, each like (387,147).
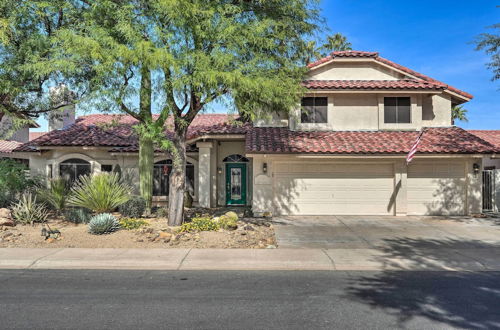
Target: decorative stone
(164,235)
(7,222)
(50,240)
(5,213)
(249,227)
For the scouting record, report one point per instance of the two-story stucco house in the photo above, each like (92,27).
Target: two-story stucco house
(342,151)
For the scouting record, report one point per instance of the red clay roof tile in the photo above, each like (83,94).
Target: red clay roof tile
(406,84)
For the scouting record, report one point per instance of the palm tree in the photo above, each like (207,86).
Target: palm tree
(458,113)
(311,52)
(337,42)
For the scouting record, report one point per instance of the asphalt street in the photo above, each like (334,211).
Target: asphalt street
(98,299)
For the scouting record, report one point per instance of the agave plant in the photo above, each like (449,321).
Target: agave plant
(99,193)
(28,211)
(104,223)
(57,194)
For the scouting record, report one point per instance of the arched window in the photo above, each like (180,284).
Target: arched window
(161,177)
(71,169)
(235,159)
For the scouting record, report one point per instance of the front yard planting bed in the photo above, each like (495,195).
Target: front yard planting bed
(250,233)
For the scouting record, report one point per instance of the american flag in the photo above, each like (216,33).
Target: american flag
(413,149)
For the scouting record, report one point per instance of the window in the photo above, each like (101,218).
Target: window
(314,110)
(235,159)
(71,169)
(161,177)
(397,110)
(106,168)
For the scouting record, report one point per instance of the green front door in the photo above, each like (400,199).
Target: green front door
(236,184)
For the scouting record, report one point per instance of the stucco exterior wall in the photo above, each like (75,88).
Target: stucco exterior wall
(354,70)
(436,110)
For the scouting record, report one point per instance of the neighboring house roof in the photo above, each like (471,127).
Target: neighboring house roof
(406,84)
(36,135)
(375,56)
(6,147)
(451,140)
(116,131)
(491,136)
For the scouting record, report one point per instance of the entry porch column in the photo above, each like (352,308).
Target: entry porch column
(204,186)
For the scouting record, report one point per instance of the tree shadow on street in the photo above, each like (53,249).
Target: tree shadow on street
(457,299)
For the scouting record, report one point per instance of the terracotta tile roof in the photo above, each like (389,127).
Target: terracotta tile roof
(406,84)
(117,131)
(490,136)
(451,140)
(7,147)
(36,135)
(376,57)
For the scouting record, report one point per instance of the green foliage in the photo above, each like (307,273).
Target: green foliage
(103,223)
(13,181)
(200,224)
(99,193)
(77,215)
(28,211)
(132,223)
(490,43)
(161,212)
(134,207)
(228,222)
(56,195)
(335,43)
(459,113)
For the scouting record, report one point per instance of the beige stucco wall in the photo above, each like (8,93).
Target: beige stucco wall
(436,110)
(436,190)
(355,70)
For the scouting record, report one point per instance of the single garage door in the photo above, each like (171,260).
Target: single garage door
(315,188)
(436,188)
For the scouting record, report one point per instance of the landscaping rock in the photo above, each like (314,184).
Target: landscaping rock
(7,234)
(5,213)
(249,227)
(7,222)
(165,235)
(50,240)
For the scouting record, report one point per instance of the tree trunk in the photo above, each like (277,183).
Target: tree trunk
(146,158)
(177,181)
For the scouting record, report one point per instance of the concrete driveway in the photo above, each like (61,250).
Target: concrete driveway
(404,234)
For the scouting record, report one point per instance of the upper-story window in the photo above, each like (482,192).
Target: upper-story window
(314,110)
(397,110)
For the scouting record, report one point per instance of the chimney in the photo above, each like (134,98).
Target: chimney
(61,98)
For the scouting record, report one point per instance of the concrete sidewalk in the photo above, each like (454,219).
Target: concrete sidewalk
(248,259)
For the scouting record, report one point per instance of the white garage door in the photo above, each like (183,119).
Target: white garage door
(315,188)
(436,188)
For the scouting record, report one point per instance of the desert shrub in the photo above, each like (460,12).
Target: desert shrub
(56,195)
(132,223)
(77,215)
(14,180)
(162,212)
(28,211)
(133,208)
(199,224)
(103,223)
(228,222)
(99,193)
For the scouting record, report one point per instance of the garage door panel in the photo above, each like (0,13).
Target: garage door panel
(334,189)
(437,188)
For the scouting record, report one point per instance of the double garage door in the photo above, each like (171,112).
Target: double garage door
(327,188)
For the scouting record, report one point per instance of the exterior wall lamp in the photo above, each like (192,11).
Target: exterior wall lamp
(476,168)
(264,167)
(219,170)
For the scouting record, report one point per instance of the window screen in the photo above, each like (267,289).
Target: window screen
(397,110)
(314,110)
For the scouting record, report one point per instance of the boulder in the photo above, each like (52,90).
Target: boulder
(164,235)
(5,213)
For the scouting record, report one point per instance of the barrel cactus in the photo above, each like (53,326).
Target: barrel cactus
(104,223)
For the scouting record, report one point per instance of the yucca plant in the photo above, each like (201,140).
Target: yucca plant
(99,193)
(104,223)
(28,211)
(57,193)
(77,215)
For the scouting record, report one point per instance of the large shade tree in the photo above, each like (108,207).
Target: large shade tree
(490,43)
(26,32)
(175,58)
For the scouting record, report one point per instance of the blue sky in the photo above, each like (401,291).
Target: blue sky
(431,37)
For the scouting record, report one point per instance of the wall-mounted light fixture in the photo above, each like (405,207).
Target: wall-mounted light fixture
(264,167)
(219,170)
(476,168)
